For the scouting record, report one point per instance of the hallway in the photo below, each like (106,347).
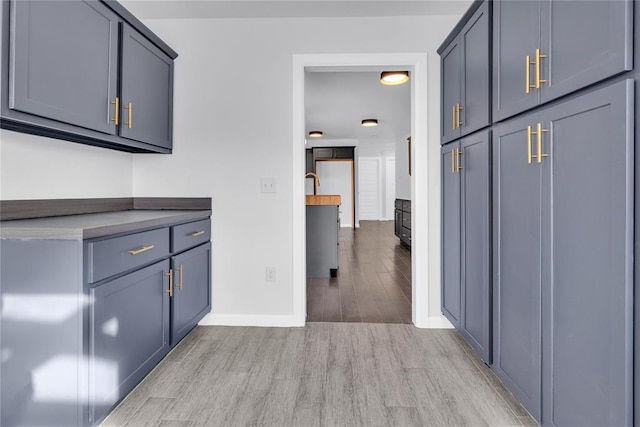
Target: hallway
(373,283)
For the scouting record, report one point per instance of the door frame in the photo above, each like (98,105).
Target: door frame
(425,179)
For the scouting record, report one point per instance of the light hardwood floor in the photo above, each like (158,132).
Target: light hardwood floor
(325,374)
(373,283)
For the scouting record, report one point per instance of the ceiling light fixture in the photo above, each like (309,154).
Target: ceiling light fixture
(369,122)
(394,77)
(315,134)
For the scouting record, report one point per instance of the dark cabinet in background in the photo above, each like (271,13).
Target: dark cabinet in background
(402,225)
(567,289)
(309,163)
(85,71)
(569,45)
(465,65)
(328,153)
(466,282)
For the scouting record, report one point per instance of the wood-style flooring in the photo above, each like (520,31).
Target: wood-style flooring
(373,283)
(325,374)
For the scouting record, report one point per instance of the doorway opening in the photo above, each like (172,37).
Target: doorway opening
(420,193)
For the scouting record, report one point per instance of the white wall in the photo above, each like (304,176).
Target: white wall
(233,125)
(403,180)
(34,167)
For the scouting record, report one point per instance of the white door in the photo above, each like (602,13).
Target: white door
(390,188)
(369,188)
(336,178)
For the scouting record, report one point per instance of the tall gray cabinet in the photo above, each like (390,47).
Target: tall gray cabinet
(563,199)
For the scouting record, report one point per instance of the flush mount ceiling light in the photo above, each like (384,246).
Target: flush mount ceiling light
(394,77)
(315,134)
(369,122)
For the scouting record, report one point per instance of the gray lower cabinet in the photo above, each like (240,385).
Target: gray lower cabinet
(322,240)
(191,299)
(466,239)
(402,218)
(85,71)
(129,330)
(541,51)
(563,259)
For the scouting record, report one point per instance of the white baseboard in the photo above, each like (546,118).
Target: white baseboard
(436,322)
(250,320)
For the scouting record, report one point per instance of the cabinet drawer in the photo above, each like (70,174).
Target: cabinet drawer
(112,256)
(406,205)
(405,236)
(406,220)
(398,204)
(188,235)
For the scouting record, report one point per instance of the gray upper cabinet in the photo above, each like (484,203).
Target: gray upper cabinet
(465,82)
(147,91)
(85,71)
(191,299)
(563,258)
(65,62)
(546,49)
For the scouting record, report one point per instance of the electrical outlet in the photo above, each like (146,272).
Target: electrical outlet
(270,274)
(267,185)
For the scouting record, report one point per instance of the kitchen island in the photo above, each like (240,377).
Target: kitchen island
(323,228)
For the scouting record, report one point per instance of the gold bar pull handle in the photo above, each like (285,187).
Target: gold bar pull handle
(539,134)
(453,161)
(453,117)
(116,103)
(196,233)
(180,270)
(170,290)
(129,107)
(142,249)
(528,86)
(458,154)
(459,122)
(539,56)
(529,155)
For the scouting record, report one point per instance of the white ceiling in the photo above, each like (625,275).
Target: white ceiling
(172,9)
(337,102)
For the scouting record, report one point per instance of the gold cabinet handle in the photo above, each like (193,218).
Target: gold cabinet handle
(527,84)
(180,270)
(539,134)
(170,290)
(453,117)
(116,102)
(458,154)
(129,107)
(539,56)
(142,249)
(529,136)
(453,161)
(196,233)
(458,121)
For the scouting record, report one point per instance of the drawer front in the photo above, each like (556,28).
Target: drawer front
(406,205)
(406,220)
(405,236)
(113,256)
(398,204)
(185,236)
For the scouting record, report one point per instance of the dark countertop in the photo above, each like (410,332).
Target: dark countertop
(92,225)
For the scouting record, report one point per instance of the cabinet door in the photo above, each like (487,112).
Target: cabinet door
(516,263)
(450,234)
(63,62)
(585,42)
(450,71)
(587,280)
(516,34)
(474,77)
(343,153)
(398,223)
(191,299)
(475,222)
(147,91)
(129,334)
(322,153)
(309,163)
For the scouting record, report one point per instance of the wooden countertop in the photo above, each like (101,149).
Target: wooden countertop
(324,199)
